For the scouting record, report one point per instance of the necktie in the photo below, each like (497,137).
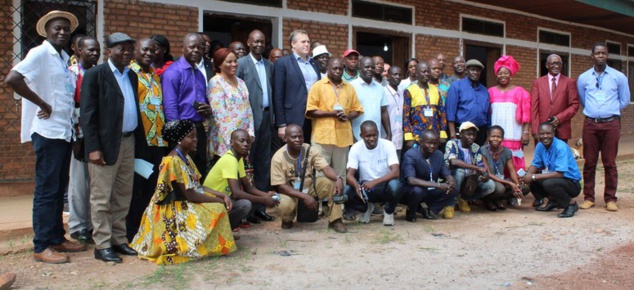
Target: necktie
(553,88)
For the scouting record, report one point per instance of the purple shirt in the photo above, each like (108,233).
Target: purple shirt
(182,85)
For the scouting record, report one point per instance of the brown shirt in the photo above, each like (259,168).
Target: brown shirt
(284,168)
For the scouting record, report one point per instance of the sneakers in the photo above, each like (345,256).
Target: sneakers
(349,214)
(51,256)
(447,212)
(388,219)
(586,204)
(365,217)
(463,205)
(68,246)
(611,206)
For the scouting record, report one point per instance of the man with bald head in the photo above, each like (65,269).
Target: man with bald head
(373,98)
(378,70)
(150,145)
(238,49)
(436,78)
(257,74)
(459,71)
(293,172)
(185,94)
(275,54)
(442,61)
(332,105)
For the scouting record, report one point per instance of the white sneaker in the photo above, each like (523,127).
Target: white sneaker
(388,219)
(365,217)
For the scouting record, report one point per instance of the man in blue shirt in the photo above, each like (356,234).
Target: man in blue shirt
(559,177)
(603,93)
(468,100)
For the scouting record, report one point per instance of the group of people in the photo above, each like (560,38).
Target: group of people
(212,126)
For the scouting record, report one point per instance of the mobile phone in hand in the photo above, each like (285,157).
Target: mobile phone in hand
(197,105)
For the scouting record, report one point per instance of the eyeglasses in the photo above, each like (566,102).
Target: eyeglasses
(597,85)
(556,63)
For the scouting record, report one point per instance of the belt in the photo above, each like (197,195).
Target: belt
(127,134)
(603,120)
(266,109)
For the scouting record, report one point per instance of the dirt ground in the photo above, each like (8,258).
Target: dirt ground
(516,249)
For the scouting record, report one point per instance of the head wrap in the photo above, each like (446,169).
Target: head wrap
(175,131)
(508,62)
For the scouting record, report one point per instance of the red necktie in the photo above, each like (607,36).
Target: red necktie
(553,88)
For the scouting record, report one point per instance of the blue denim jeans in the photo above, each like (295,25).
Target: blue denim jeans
(387,192)
(435,199)
(52,165)
(483,189)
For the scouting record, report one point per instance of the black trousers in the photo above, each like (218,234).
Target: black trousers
(200,156)
(260,156)
(558,190)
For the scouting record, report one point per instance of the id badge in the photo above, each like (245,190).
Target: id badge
(338,108)
(70,89)
(544,171)
(431,187)
(518,153)
(500,176)
(428,112)
(296,183)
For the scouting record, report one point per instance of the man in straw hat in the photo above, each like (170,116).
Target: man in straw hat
(46,84)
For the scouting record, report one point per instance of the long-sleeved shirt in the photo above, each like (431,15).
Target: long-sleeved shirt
(465,103)
(603,96)
(182,85)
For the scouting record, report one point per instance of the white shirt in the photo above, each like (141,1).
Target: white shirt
(201,68)
(261,69)
(130,120)
(375,163)
(372,98)
(395,111)
(46,73)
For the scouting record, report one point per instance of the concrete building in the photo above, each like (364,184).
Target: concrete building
(397,30)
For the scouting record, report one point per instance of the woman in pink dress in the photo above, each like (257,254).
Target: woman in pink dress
(510,109)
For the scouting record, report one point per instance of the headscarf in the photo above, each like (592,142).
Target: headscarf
(175,131)
(508,62)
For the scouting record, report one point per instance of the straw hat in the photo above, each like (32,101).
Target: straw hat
(41,24)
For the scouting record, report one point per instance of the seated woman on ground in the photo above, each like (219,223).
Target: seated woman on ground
(184,221)
(499,162)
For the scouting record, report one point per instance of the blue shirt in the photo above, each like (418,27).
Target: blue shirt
(415,165)
(182,85)
(308,71)
(557,158)
(464,103)
(130,120)
(259,66)
(373,98)
(603,96)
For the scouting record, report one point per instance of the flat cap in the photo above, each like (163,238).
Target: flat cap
(118,37)
(474,62)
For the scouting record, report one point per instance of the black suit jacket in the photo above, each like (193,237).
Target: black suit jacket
(101,112)
(209,69)
(249,74)
(290,93)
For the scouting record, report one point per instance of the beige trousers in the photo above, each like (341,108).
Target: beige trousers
(110,195)
(337,157)
(325,188)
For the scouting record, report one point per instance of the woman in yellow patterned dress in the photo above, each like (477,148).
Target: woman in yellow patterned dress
(184,221)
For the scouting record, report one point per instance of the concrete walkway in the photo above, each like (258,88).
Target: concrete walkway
(16,209)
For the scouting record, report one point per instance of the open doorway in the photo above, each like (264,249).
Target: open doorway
(487,55)
(392,47)
(228,28)
(543,55)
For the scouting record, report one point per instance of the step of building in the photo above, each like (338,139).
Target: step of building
(10,189)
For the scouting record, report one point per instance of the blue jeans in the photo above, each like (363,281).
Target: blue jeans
(483,189)
(435,199)
(52,165)
(387,192)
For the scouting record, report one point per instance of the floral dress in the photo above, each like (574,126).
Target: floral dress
(231,110)
(178,231)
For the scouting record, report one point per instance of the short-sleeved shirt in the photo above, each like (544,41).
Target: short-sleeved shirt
(558,157)
(46,73)
(322,97)
(284,168)
(470,155)
(415,165)
(372,163)
(372,97)
(227,167)
(395,111)
(496,166)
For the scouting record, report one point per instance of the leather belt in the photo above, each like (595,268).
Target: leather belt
(603,120)
(266,109)
(127,134)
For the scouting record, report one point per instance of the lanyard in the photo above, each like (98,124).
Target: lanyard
(298,168)
(549,154)
(495,164)
(182,156)
(334,88)
(426,94)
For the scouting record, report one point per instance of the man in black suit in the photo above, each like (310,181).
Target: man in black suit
(257,73)
(294,76)
(109,114)
(205,65)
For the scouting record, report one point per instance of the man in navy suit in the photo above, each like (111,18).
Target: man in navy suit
(257,73)
(294,76)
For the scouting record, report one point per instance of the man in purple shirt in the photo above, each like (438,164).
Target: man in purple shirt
(185,95)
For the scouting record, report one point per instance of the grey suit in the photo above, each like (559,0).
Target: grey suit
(263,118)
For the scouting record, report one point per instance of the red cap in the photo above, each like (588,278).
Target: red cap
(349,51)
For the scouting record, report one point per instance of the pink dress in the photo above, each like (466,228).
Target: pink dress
(510,110)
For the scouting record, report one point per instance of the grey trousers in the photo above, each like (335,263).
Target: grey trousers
(240,210)
(79,196)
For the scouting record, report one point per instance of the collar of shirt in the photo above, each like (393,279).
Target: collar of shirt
(116,71)
(550,78)
(299,58)
(201,64)
(137,68)
(183,64)
(255,61)
(606,71)
(52,50)
(392,91)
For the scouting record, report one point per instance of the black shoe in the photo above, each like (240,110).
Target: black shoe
(538,202)
(570,211)
(410,216)
(107,255)
(253,219)
(488,205)
(124,249)
(429,215)
(548,207)
(264,216)
(82,236)
(499,205)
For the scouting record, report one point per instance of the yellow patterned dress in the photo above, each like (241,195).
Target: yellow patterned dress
(180,231)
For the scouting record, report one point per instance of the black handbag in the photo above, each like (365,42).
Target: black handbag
(304,214)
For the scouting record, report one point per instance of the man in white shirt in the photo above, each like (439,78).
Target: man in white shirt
(373,98)
(377,164)
(395,107)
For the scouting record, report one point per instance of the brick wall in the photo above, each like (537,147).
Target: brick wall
(330,7)
(428,47)
(334,36)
